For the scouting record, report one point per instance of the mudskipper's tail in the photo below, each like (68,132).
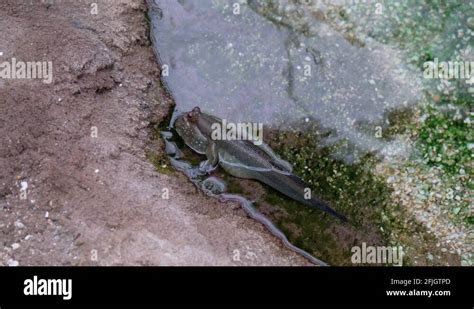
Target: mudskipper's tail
(292,186)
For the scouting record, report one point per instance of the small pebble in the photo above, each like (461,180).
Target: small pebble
(18,224)
(15,246)
(12,262)
(470,22)
(24,185)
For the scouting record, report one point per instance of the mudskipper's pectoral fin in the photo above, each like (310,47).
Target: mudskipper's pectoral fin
(275,159)
(212,159)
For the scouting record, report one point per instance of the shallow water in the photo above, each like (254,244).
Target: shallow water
(278,65)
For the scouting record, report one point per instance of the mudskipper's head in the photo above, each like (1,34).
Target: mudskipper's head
(187,127)
(187,120)
(192,116)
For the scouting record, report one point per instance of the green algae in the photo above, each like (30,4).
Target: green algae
(429,30)
(155,152)
(351,189)
(161,162)
(444,141)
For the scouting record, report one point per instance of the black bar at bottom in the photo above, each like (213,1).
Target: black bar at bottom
(241,285)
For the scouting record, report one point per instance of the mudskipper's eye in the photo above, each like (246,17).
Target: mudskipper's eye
(191,116)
